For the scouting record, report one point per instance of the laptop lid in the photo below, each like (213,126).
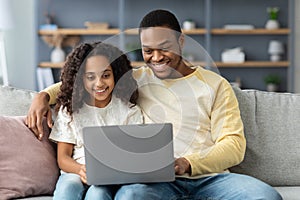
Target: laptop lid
(129,154)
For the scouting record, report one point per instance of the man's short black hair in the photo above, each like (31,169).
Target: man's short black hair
(160,18)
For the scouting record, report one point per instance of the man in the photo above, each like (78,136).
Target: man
(201,105)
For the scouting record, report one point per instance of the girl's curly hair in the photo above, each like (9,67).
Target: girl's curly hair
(72,92)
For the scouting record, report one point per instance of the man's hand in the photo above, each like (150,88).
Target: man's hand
(182,166)
(38,109)
(82,174)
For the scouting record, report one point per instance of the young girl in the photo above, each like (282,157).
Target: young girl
(97,89)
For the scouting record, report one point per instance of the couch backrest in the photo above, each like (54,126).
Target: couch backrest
(272,130)
(15,102)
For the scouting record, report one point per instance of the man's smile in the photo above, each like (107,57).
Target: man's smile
(159,67)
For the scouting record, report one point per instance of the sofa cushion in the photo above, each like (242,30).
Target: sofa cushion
(289,193)
(271,124)
(28,166)
(14,101)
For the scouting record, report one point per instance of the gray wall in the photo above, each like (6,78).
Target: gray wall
(21,45)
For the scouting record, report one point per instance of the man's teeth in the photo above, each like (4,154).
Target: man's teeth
(158,65)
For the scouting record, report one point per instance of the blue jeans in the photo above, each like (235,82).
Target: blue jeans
(70,187)
(227,186)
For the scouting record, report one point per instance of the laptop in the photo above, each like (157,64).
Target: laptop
(124,154)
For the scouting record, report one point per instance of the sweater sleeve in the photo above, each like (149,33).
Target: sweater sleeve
(227,133)
(53,90)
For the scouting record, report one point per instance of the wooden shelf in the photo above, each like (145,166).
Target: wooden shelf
(46,64)
(199,31)
(251,64)
(137,63)
(133,31)
(73,31)
(281,31)
(254,64)
(51,65)
(218,64)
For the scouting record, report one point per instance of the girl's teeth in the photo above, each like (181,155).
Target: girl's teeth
(100,90)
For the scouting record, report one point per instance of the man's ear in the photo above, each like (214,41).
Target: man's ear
(181,40)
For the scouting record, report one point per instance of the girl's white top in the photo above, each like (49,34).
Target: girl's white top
(116,112)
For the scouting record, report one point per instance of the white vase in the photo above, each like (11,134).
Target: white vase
(189,25)
(272,24)
(57,55)
(275,57)
(272,87)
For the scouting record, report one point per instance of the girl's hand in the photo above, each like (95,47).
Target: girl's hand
(82,174)
(182,166)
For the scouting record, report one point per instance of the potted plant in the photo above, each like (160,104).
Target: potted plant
(272,23)
(272,82)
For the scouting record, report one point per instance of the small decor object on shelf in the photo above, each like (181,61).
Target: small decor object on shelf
(272,23)
(275,50)
(96,25)
(49,25)
(235,55)
(239,26)
(189,24)
(272,82)
(58,54)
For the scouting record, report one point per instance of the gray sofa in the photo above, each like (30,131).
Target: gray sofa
(272,130)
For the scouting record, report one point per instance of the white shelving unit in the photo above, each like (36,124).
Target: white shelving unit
(208,32)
